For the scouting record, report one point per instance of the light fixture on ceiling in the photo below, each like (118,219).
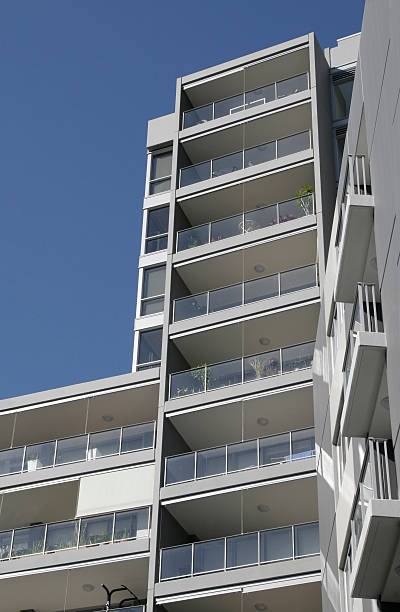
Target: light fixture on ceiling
(260,606)
(259,268)
(263,508)
(107,418)
(88,588)
(262,421)
(373,263)
(385,402)
(264,341)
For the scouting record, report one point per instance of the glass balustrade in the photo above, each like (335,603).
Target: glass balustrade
(77,448)
(245,293)
(260,452)
(262,217)
(75,533)
(246,158)
(249,99)
(244,369)
(221,554)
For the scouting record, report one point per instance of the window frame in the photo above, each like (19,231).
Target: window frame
(144,300)
(147,237)
(150,181)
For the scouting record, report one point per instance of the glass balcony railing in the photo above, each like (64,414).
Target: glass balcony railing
(260,452)
(245,293)
(221,554)
(76,533)
(244,101)
(245,159)
(241,370)
(85,447)
(245,223)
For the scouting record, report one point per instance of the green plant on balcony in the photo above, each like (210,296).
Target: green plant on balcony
(304,199)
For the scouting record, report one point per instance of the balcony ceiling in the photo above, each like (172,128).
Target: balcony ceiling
(284,411)
(284,328)
(298,597)
(74,417)
(275,187)
(291,502)
(284,253)
(63,589)
(250,134)
(252,77)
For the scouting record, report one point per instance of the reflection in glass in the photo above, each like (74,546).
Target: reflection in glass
(28,541)
(226,164)
(104,443)
(131,524)
(160,186)
(137,437)
(228,106)
(264,216)
(295,280)
(194,174)
(96,530)
(292,85)
(197,115)
(259,155)
(176,562)
(5,544)
(150,345)
(276,544)
(297,357)
(227,297)
(294,144)
(180,468)
(306,539)
(224,374)
(211,462)
(71,449)
(156,244)
(62,535)
(11,460)
(209,556)
(225,228)
(275,449)
(242,455)
(260,96)
(152,306)
(261,289)
(186,383)
(242,550)
(192,306)
(193,237)
(303,444)
(262,365)
(39,456)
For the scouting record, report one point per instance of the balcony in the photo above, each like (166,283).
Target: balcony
(245,101)
(356,217)
(249,221)
(364,362)
(260,452)
(375,528)
(223,554)
(238,371)
(87,447)
(245,158)
(262,288)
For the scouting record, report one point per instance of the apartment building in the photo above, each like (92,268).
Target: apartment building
(198,480)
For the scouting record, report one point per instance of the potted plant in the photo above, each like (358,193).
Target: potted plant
(304,199)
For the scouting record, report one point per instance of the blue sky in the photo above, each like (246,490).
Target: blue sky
(79,80)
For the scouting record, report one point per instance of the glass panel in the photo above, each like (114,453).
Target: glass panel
(276,544)
(228,106)
(260,96)
(180,468)
(192,306)
(211,462)
(294,144)
(131,524)
(161,165)
(262,217)
(160,186)
(297,357)
(292,85)
(104,443)
(153,281)
(226,164)
(275,449)
(197,115)
(195,174)
(71,449)
(262,366)
(152,306)
(294,209)
(28,541)
(185,383)
(150,346)
(62,535)
(227,297)
(156,244)
(294,280)
(39,456)
(303,444)
(193,237)
(11,460)
(209,556)
(259,155)
(261,289)
(157,221)
(96,530)
(306,538)
(176,562)
(137,437)
(5,544)
(242,455)
(233,226)
(242,550)
(224,374)
(357,520)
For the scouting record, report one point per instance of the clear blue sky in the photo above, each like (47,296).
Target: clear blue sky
(79,80)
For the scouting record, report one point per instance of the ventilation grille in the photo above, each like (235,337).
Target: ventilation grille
(341,130)
(343,75)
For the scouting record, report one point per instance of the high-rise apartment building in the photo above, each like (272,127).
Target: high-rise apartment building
(203,480)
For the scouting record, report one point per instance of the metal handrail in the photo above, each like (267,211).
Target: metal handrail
(355,183)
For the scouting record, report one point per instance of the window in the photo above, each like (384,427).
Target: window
(160,172)
(342,82)
(153,289)
(149,355)
(157,229)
